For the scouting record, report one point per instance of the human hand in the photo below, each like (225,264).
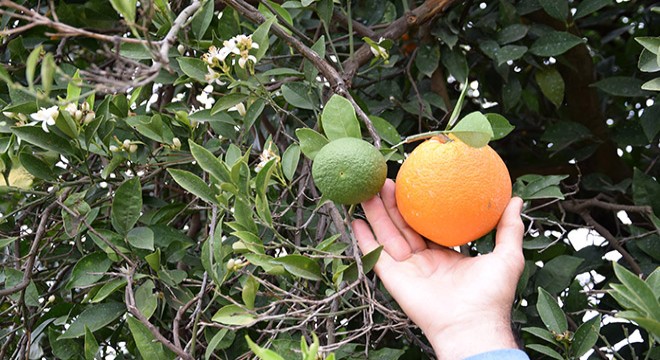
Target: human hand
(462,304)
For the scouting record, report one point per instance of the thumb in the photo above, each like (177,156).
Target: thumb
(509,235)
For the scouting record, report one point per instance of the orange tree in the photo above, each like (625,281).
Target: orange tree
(156,192)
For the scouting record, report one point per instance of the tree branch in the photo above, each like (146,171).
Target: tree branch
(129,298)
(420,15)
(34,248)
(582,208)
(336,81)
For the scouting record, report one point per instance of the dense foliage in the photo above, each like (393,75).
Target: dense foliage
(157,198)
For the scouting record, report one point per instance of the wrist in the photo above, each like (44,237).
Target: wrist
(472,337)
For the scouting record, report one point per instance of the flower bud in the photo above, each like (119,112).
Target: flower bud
(8,114)
(132,148)
(85,106)
(114,148)
(126,144)
(23,117)
(176,143)
(51,298)
(89,117)
(231,264)
(181,49)
(77,115)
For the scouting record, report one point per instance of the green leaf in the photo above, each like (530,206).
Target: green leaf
(141,238)
(126,205)
(368,262)
(7,241)
(642,293)
(48,68)
(650,43)
(646,190)
(290,160)
(558,9)
(201,21)
(209,162)
(233,315)
(456,63)
(652,85)
(195,68)
(585,336)
(458,107)
(338,119)
(31,65)
(500,125)
(49,141)
(205,116)
(550,312)
(147,345)
(623,86)
(551,84)
(648,61)
(541,333)
(530,187)
(557,274)
(588,7)
(228,101)
(94,317)
(545,350)
(108,289)
(88,270)
(145,299)
(249,292)
(652,325)
(262,354)
(251,241)
(474,129)
(311,141)
(73,87)
(125,8)
(386,130)
(654,282)
(510,53)
(325,9)
(254,112)
(301,266)
(310,69)
(260,36)
(65,349)
(427,59)
(194,184)
(91,345)
(37,167)
(153,260)
(512,33)
(554,43)
(299,95)
(215,343)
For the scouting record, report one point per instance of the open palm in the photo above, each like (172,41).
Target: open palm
(441,290)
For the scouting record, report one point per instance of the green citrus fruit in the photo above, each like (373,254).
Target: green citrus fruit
(349,170)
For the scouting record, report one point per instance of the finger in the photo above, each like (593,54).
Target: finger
(386,232)
(509,235)
(367,243)
(415,241)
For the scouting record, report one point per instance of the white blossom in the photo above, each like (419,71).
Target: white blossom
(266,155)
(379,51)
(46,116)
(240,107)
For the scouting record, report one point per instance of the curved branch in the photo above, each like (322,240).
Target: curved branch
(336,81)
(420,15)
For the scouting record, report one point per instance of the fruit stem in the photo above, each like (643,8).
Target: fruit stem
(423,136)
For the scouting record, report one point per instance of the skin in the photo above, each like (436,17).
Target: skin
(462,304)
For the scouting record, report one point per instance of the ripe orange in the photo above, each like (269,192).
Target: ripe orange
(452,193)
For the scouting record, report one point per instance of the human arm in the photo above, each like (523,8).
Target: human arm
(462,304)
